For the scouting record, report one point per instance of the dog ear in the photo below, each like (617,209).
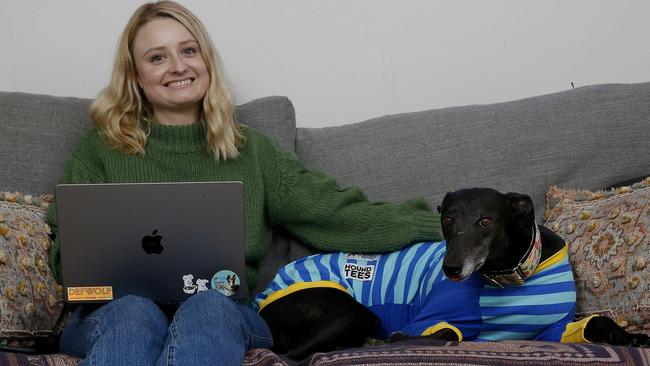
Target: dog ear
(519,204)
(443,201)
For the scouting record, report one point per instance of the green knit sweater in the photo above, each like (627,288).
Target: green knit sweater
(279,190)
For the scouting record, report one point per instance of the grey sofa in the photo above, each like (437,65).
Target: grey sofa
(588,138)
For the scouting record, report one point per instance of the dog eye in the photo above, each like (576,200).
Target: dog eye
(447,220)
(485,222)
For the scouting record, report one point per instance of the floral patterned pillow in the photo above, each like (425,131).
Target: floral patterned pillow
(30,300)
(609,248)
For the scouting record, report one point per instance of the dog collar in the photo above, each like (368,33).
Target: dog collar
(524,269)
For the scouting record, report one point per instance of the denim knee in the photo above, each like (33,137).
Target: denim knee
(131,317)
(132,310)
(209,301)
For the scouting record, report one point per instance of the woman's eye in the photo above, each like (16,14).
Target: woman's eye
(447,220)
(485,222)
(157,58)
(189,51)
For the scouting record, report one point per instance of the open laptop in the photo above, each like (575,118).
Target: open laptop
(163,241)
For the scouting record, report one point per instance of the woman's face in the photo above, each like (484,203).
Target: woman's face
(170,70)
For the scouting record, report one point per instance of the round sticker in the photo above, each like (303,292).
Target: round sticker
(227,282)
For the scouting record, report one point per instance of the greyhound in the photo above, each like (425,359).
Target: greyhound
(498,275)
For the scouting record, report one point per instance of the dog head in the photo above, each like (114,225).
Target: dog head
(478,225)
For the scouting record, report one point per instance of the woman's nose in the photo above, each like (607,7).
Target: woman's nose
(178,65)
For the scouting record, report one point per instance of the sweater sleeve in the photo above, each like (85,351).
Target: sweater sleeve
(311,206)
(81,167)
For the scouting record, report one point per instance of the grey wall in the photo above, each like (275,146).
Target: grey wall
(343,61)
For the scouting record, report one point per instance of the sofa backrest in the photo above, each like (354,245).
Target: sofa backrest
(589,138)
(38,132)
(585,138)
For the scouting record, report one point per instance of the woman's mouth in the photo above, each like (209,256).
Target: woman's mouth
(179,83)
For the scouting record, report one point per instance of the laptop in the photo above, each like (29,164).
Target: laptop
(163,241)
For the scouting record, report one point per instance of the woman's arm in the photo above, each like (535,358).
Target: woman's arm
(311,206)
(81,167)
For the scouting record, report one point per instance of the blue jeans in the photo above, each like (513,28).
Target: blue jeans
(207,329)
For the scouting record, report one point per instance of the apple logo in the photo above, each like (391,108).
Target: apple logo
(151,243)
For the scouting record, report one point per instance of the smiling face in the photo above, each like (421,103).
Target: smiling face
(170,71)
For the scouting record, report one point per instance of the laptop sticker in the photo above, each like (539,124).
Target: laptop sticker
(188,285)
(202,285)
(90,293)
(227,282)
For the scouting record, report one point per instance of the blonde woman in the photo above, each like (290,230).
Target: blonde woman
(166,115)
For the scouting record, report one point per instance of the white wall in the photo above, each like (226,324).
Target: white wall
(343,61)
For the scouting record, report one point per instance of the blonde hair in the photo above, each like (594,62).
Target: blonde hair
(119,108)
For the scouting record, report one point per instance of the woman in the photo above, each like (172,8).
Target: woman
(166,115)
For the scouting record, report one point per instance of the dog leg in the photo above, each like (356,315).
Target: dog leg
(318,320)
(601,329)
(347,329)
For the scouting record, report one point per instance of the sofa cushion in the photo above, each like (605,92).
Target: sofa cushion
(273,116)
(30,299)
(38,132)
(587,137)
(609,248)
(18,359)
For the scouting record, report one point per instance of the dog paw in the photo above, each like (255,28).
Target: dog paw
(601,329)
(635,340)
(446,334)
(639,340)
(371,342)
(398,337)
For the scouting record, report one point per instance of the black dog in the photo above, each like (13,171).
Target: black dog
(484,230)
(492,245)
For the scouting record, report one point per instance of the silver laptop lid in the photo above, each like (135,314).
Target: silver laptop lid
(164,241)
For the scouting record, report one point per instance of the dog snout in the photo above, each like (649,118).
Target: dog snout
(452,271)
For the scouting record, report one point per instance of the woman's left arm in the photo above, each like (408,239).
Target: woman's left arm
(311,206)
